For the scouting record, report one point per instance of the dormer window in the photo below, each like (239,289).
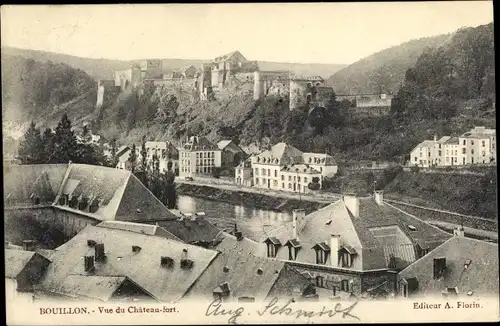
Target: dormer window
(273,245)
(63,200)
(293,248)
(346,254)
(407,287)
(221,291)
(439,267)
(322,251)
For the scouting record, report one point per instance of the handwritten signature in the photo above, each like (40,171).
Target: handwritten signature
(216,308)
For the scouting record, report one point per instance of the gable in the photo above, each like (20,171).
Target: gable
(139,204)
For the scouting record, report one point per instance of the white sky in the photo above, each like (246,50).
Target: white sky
(306,33)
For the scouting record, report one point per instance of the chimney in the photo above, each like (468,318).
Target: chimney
(459,231)
(352,204)
(379,197)
(435,137)
(298,217)
(88,263)
(29,245)
(392,282)
(99,252)
(238,235)
(334,249)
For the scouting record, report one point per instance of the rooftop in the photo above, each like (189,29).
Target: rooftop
(142,265)
(93,191)
(478,278)
(375,233)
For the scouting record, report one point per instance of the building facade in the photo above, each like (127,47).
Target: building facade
(286,168)
(198,156)
(353,246)
(243,173)
(477,146)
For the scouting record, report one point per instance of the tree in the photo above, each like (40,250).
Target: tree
(48,145)
(86,135)
(144,155)
(31,147)
(114,158)
(133,158)
(65,142)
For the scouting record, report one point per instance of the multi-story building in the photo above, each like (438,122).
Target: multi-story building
(352,246)
(286,168)
(477,146)
(198,156)
(165,151)
(232,154)
(243,173)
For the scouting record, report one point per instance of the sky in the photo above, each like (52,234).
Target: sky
(299,32)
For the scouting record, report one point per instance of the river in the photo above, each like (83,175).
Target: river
(253,222)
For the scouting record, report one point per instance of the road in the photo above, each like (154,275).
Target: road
(477,232)
(317,197)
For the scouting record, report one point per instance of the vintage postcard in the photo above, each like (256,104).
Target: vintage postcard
(199,164)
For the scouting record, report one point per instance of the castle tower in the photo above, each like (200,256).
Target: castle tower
(258,86)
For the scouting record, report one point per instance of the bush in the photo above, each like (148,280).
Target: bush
(415,169)
(313,186)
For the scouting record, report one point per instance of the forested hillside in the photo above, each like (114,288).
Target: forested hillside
(383,71)
(448,90)
(35,90)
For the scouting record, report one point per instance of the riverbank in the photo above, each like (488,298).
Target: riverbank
(247,198)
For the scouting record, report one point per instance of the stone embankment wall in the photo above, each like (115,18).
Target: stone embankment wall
(247,198)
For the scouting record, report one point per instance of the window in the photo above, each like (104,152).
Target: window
(320,281)
(298,179)
(484,143)
(420,154)
(305,179)
(268,172)
(321,169)
(484,153)
(464,151)
(257,181)
(320,256)
(416,158)
(472,142)
(282,177)
(283,186)
(472,151)
(263,171)
(289,186)
(403,289)
(455,160)
(344,285)
(289,178)
(346,260)
(275,173)
(465,142)
(271,250)
(439,153)
(256,171)
(292,253)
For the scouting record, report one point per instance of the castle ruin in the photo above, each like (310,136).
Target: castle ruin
(225,76)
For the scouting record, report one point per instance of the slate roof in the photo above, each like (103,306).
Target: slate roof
(16,261)
(142,228)
(246,275)
(300,168)
(226,56)
(165,284)
(227,243)
(223,143)
(379,232)
(452,140)
(91,287)
(279,150)
(122,196)
(191,231)
(198,143)
(20,181)
(481,277)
